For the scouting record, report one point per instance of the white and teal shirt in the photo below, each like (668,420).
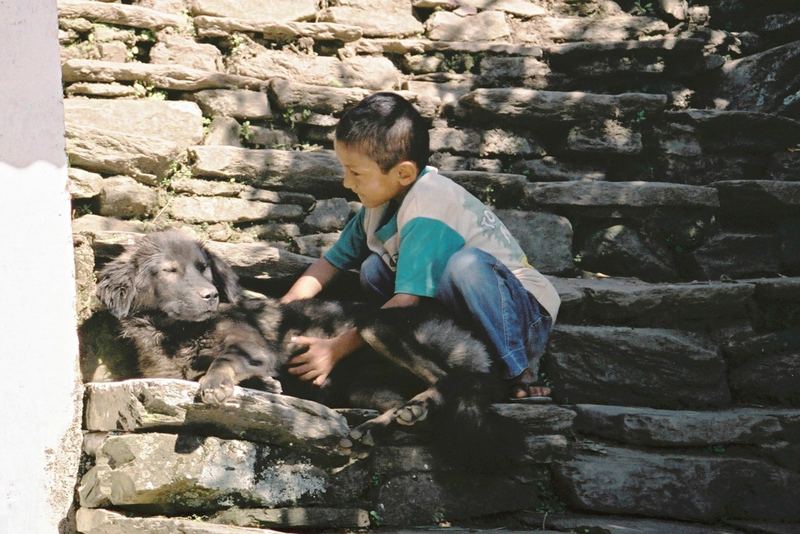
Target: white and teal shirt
(436,218)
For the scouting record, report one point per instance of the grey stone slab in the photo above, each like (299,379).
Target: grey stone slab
(124,197)
(686,428)
(185,51)
(302,518)
(502,190)
(132,137)
(545,238)
(606,137)
(377,18)
(686,487)
(764,199)
(327,100)
(765,368)
(173,77)
(181,473)
(621,250)
(756,254)
(484,143)
(84,184)
(328,215)
(625,525)
(276,10)
(97,521)
(422,46)
(119,14)
(620,194)
(260,260)
(234,210)
(620,301)
(521,105)
(484,26)
(208,26)
(731,131)
(635,367)
(551,169)
(240,104)
(614,27)
(146,404)
(317,172)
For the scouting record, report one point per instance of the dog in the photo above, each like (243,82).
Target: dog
(184,310)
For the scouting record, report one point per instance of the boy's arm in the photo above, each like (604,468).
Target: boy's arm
(312,281)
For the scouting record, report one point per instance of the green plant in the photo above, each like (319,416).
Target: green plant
(291,117)
(375,518)
(246,132)
(642,7)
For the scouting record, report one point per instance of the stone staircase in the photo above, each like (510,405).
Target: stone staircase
(647,156)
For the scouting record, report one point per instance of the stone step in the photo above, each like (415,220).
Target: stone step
(171,473)
(691,487)
(276,10)
(320,31)
(608,524)
(647,427)
(153,135)
(763,199)
(172,77)
(148,404)
(653,367)
(521,106)
(636,303)
(98,521)
(119,14)
(316,172)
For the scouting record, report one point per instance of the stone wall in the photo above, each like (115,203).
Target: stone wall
(646,154)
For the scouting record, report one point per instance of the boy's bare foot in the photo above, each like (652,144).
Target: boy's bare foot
(525,386)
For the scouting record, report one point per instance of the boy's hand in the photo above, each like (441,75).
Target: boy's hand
(322,355)
(317,362)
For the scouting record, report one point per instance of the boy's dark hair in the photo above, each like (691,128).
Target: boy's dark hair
(387,129)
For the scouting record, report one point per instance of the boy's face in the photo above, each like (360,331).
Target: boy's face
(365,178)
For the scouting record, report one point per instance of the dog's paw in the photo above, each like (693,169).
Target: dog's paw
(357,443)
(272,385)
(215,388)
(411,413)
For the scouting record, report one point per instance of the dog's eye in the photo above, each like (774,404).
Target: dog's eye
(202,266)
(172,269)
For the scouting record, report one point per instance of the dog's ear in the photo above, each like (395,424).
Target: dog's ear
(116,287)
(225,280)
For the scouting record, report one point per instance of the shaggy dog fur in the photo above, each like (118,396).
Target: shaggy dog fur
(183,309)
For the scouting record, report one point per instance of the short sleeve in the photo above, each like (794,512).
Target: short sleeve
(350,250)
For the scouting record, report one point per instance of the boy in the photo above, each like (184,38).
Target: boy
(420,235)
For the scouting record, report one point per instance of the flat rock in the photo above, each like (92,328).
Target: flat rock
(240,104)
(485,26)
(627,301)
(132,137)
(84,184)
(97,521)
(499,71)
(550,169)
(684,428)
(498,189)
(98,225)
(187,52)
(423,46)
(765,368)
(676,486)
(546,30)
(730,131)
(277,10)
(519,8)
(756,255)
(107,90)
(234,210)
(538,419)
(172,77)
(377,18)
(282,31)
(606,137)
(122,196)
(317,172)
(181,473)
(620,194)
(119,14)
(328,215)
(766,82)
(652,367)
(761,198)
(525,105)
(484,143)
(315,245)
(373,73)
(147,404)
(545,238)
(261,260)
(311,517)
(289,94)
(223,131)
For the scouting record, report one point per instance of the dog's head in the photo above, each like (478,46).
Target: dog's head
(170,273)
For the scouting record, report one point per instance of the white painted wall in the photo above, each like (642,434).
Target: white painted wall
(40,392)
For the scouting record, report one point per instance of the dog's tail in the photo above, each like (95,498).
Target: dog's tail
(467,432)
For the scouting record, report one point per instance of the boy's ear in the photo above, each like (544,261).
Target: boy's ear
(406,172)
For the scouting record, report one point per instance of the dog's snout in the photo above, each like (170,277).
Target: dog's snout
(209,293)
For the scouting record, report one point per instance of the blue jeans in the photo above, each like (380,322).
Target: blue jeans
(481,293)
